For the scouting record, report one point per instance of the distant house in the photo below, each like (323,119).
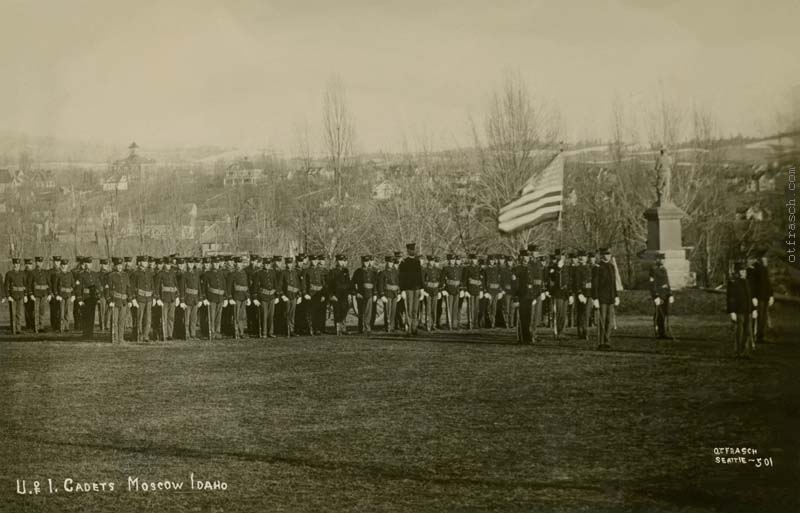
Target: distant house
(41,179)
(9,180)
(116,183)
(132,166)
(242,172)
(385,190)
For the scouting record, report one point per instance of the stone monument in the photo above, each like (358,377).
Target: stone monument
(664,226)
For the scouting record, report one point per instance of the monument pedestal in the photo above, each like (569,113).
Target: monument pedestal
(664,236)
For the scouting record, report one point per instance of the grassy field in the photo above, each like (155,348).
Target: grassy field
(448,422)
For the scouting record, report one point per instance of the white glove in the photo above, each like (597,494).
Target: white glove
(2,300)
(321,299)
(248,302)
(10,299)
(771,301)
(444,293)
(542,296)
(334,299)
(183,306)
(500,295)
(33,298)
(616,301)
(547,294)
(755,314)
(571,300)
(49,297)
(307,297)
(596,303)
(755,301)
(177,301)
(129,305)
(657,301)
(384,300)
(299,300)
(581,298)
(205,302)
(59,299)
(276,300)
(111,304)
(80,303)
(135,303)
(403,294)
(160,303)
(257,302)
(460,293)
(439,295)
(72,299)
(155,302)
(671,299)
(224,303)
(24,299)
(284,299)
(733,316)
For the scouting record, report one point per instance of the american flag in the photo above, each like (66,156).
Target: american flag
(541,199)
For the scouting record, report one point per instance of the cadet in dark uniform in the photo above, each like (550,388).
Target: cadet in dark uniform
(39,290)
(411,283)
(314,297)
(292,293)
(15,289)
(472,287)
(238,288)
(741,310)
(189,293)
(364,280)
(54,305)
(64,283)
(559,290)
(340,287)
(432,277)
(389,291)
(604,292)
(661,294)
(762,292)
(267,289)
(214,293)
(119,288)
(523,295)
(582,291)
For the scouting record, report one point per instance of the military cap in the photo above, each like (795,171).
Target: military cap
(197,260)
(277,258)
(365,258)
(411,246)
(429,257)
(472,255)
(237,259)
(760,253)
(127,259)
(436,258)
(38,259)
(253,256)
(604,251)
(523,252)
(88,259)
(28,261)
(103,261)
(116,260)
(660,256)
(288,260)
(532,248)
(388,258)
(65,261)
(738,265)
(15,260)
(56,258)
(571,254)
(481,261)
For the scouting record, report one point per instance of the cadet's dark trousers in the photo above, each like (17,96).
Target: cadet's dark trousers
(582,317)
(267,317)
(389,312)
(743,334)
(661,314)
(318,308)
(55,320)
(365,305)
(524,334)
(761,322)
(89,306)
(412,311)
(291,307)
(190,321)
(143,317)
(604,323)
(432,310)
(215,317)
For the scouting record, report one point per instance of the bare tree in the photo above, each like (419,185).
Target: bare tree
(338,129)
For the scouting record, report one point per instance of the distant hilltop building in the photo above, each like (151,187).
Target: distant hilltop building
(131,167)
(242,172)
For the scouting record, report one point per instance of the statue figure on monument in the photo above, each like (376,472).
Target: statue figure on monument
(663,171)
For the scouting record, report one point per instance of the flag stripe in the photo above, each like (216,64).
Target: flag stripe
(533,197)
(547,214)
(540,199)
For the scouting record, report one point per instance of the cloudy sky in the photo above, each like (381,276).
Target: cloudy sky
(248,72)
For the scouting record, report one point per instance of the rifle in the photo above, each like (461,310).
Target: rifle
(163,322)
(113,324)
(447,312)
(554,314)
(208,320)
(655,320)
(14,328)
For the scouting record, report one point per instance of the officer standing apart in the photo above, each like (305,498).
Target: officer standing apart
(661,294)
(604,292)
(762,294)
(741,309)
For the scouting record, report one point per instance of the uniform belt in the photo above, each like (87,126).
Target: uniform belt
(267,292)
(587,285)
(40,287)
(86,291)
(66,289)
(392,287)
(316,288)
(145,293)
(537,282)
(474,282)
(18,289)
(432,284)
(192,292)
(368,285)
(219,292)
(290,288)
(240,288)
(454,283)
(119,295)
(169,289)
(494,285)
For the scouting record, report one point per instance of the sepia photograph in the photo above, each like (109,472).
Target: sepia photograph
(399,256)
